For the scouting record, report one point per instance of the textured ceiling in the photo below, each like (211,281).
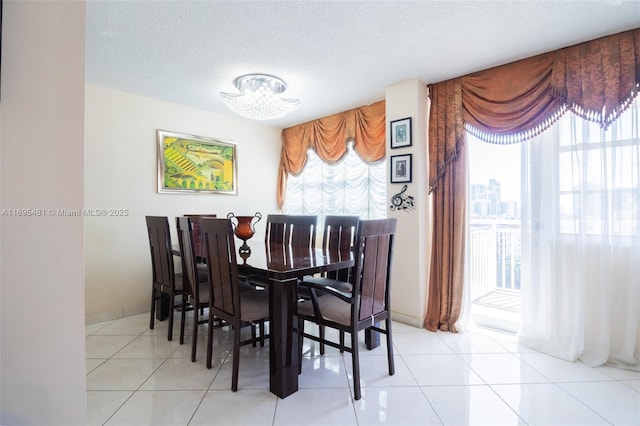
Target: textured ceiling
(334,55)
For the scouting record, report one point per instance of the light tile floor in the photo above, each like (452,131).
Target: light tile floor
(136,377)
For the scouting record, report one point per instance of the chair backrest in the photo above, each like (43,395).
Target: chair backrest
(300,230)
(196,219)
(184,225)
(161,252)
(339,233)
(275,228)
(220,252)
(372,269)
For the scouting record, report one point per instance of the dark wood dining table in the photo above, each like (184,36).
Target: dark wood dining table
(283,266)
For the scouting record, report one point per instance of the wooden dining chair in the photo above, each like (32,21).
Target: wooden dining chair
(196,220)
(287,230)
(366,305)
(196,289)
(294,230)
(165,281)
(275,228)
(339,233)
(237,308)
(300,230)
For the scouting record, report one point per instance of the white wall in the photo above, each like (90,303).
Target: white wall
(413,239)
(42,343)
(121,173)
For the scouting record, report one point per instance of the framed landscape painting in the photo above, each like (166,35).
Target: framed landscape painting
(188,164)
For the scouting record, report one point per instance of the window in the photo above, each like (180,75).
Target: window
(598,176)
(350,187)
(581,240)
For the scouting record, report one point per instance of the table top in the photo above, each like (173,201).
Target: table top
(282,262)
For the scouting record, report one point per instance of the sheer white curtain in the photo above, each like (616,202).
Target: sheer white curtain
(349,187)
(581,241)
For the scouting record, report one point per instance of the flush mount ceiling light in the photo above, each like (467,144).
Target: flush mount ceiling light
(259,97)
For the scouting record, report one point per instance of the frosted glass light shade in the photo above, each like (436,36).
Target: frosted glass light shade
(259,97)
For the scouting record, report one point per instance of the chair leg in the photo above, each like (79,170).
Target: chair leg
(236,358)
(253,335)
(300,337)
(341,341)
(392,369)
(262,334)
(153,307)
(209,339)
(171,302)
(356,364)
(194,335)
(321,334)
(183,318)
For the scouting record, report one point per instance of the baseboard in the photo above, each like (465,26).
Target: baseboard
(114,314)
(407,319)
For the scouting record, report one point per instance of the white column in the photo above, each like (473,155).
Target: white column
(42,344)
(412,249)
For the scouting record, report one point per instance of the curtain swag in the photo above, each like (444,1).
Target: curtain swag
(596,80)
(328,136)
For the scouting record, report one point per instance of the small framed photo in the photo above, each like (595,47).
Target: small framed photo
(401,133)
(401,168)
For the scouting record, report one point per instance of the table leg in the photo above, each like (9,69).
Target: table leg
(283,340)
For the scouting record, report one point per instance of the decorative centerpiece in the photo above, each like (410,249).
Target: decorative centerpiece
(244,228)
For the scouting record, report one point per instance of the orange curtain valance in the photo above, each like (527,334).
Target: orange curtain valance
(508,103)
(328,136)
(596,80)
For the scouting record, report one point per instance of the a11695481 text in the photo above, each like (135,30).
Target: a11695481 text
(60,212)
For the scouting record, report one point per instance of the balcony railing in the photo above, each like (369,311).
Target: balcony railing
(495,256)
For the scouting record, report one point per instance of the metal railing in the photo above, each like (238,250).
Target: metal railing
(494,262)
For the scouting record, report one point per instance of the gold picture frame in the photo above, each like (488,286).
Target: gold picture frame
(196,164)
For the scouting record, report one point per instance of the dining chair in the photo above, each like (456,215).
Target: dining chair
(237,308)
(300,230)
(275,228)
(368,303)
(196,290)
(196,220)
(295,231)
(274,233)
(339,232)
(165,281)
